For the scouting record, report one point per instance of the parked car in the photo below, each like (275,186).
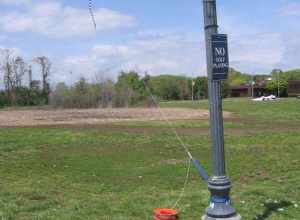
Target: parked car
(265,98)
(270,98)
(260,99)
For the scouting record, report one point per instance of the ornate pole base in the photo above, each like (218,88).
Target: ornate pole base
(220,204)
(236,217)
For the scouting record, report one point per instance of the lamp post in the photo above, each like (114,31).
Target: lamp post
(252,86)
(278,84)
(193,84)
(219,184)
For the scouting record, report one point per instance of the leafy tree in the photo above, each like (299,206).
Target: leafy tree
(81,87)
(225,89)
(278,77)
(61,96)
(293,74)
(129,88)
(236,78)
(82,95)
(201,87)
(4,99)
(169,87)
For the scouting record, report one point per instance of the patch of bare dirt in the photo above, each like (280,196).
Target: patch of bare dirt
(48,117)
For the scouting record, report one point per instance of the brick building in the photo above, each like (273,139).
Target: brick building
(259,89)
(294,88)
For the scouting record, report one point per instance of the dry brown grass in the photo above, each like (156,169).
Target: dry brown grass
(42,117)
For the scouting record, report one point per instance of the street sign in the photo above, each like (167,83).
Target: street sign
(220,56)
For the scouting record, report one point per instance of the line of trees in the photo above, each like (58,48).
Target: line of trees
(19,87)
(278,77)
(130,88)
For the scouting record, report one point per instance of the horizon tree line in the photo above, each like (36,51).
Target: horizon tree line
(129,89)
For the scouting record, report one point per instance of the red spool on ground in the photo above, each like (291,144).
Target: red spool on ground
(165,214)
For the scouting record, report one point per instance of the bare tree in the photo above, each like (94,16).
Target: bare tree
(45,65)
(13,68)
(107,87)
(8,72)
(107,93)
(19,68)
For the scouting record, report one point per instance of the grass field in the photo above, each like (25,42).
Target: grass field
(124,170)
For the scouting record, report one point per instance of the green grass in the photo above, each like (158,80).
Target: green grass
(281,110)
(125,171)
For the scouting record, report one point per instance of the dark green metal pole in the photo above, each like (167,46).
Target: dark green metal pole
(219,184)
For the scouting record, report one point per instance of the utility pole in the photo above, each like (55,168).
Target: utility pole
(193,84)
(278,83)
(30,76)
(252,84)
(219,184)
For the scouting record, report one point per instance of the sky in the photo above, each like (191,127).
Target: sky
(157,37)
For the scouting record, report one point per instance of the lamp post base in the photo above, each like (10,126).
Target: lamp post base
(237,217)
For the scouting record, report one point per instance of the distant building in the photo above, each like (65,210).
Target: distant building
(294,88)
(240,91)
(259,89)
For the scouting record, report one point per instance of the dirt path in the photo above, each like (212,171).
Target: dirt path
(44,117)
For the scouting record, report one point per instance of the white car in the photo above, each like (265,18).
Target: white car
(265,98)
(260,99)
(270,98)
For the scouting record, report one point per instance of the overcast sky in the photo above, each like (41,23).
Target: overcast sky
(154,36)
